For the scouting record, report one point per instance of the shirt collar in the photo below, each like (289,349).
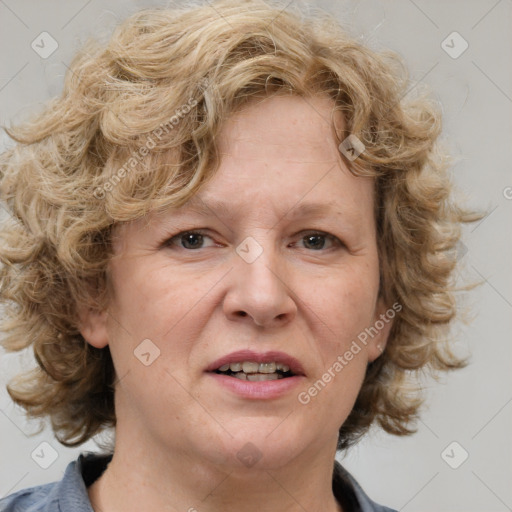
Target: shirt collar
(72,493)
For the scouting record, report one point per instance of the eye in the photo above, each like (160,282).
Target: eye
(318,240)
(188,240)
(196,239)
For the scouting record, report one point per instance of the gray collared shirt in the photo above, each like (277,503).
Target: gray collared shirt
(70,494)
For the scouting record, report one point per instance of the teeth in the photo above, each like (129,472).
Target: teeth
(255,377)
(267,368)
(258,377)
(250,367)
(235,367)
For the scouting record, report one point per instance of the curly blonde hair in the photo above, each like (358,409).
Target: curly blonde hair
(164,83)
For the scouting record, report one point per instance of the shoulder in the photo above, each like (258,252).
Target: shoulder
(345,484)
(35,499)
(67,495)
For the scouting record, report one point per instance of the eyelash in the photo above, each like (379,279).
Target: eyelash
(169,242)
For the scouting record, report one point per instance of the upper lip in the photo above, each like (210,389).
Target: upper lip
(258,357)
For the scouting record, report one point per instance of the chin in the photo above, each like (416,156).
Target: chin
(267,445)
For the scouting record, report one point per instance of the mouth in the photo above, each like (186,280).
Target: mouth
(257,367)
(251,375)
(254,371)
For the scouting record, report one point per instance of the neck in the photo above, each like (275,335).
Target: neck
(141,479)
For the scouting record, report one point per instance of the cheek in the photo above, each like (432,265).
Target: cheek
(156,303)
(347,309)
(153,295)
(346,304)
(343,358)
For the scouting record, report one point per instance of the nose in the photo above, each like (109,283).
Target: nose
(259,292)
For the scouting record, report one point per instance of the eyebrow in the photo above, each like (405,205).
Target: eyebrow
(222,209)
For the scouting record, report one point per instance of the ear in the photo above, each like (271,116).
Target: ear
(93,327)
(378,332)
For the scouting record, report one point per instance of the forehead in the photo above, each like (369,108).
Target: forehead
(293,125)
(284,149)
(279,158)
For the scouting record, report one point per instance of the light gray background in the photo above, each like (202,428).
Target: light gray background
(471,407)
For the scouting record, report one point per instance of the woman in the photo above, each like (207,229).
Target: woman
(233,240)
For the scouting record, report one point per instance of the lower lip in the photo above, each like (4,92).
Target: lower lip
(260,390)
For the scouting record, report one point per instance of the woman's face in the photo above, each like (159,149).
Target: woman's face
(281,267)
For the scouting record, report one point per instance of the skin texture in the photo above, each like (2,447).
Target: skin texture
(178,430)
